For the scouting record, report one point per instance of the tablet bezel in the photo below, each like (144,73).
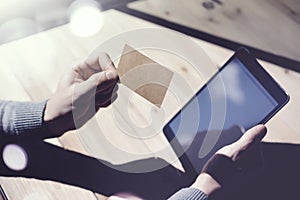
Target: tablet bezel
(260,74)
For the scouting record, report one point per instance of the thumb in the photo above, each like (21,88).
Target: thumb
(253,135)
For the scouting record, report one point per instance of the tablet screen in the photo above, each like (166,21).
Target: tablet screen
(232,101)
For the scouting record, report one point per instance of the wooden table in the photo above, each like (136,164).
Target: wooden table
(271,25)
(32,66)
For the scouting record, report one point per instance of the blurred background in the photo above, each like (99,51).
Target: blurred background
(21,18)
(269,25)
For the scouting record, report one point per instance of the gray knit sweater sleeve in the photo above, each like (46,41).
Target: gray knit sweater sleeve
(17,118)
(189,194)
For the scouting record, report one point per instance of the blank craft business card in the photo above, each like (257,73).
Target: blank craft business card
(144,76)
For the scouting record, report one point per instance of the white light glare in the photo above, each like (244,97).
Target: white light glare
(85,18)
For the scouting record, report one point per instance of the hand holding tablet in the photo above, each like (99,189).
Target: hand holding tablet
(248,95)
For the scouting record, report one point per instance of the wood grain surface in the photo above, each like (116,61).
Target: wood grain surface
(32,68)
(269,25)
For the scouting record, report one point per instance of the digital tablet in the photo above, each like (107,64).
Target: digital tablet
(240,95)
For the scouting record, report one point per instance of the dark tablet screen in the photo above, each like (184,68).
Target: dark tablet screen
(231,102)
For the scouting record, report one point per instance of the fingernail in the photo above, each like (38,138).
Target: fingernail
(110,75)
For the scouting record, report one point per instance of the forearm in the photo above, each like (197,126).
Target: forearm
(17,118)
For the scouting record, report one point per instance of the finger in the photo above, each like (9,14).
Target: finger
(107,85)
(94,64)
(84,70)
(253,135)
(101,61)
(250,141)
(107,88)
(94,81)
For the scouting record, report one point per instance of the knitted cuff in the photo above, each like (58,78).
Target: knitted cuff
(28,116)
(189,194)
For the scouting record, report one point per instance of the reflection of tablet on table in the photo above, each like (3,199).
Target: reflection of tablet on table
(242,94)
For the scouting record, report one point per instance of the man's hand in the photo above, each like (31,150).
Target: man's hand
(80,93)
(247,147)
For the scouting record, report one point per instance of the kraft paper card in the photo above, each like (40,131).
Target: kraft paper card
(144,76)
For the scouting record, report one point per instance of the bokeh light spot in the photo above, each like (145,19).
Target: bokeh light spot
(15,157)
(85,18)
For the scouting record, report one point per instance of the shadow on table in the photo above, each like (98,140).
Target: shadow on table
(280,179)
(50,162)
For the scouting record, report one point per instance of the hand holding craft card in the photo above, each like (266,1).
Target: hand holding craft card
(144,76)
